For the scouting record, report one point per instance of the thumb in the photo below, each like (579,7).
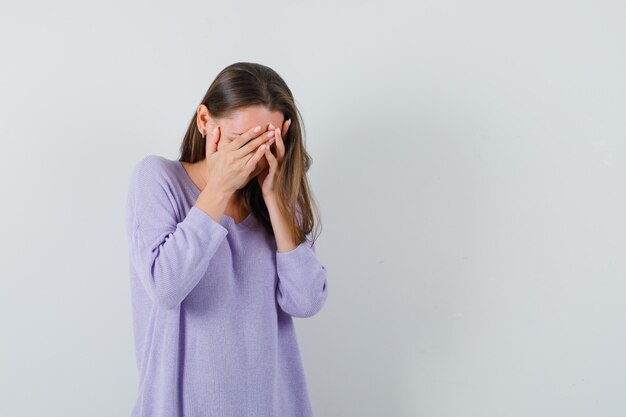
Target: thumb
(211,142)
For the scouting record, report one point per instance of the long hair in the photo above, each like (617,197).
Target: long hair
(244,84)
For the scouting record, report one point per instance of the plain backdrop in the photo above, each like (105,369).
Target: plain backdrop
(469,162)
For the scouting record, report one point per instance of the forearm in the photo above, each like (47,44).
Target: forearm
(284,241)
(302,286)
(302,283)
(171,262)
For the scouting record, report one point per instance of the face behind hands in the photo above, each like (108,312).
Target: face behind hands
(238,123)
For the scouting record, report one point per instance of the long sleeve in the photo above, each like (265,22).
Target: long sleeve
(170,257)
(302,286)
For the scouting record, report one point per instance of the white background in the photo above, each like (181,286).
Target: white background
(469,161)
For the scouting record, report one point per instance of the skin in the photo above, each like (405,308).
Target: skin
(238,128)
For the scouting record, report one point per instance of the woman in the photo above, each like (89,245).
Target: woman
(222,257)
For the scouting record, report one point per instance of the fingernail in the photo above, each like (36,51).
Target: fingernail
(288,121)
(215,130)
(270,133)
(256,129)
(278,130)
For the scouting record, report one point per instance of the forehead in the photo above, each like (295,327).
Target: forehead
(246,118)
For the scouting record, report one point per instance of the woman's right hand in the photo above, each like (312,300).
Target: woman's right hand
(228,168)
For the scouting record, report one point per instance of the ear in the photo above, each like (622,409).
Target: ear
(204,122)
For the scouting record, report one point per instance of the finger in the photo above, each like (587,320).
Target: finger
(280,145)
(246,137)
(285,128)
(271,170)
(273,140)
(271,160)
(253,144)
(256,156)
(211,141)
(277,132)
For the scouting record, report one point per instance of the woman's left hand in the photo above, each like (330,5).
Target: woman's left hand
(266,178)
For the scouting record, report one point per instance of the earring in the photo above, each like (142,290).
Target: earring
(202,133)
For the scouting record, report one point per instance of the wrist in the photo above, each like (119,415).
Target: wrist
(270,198)
(213,194)
(213,202)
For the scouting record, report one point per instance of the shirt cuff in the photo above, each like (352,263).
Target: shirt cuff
(205,225)
(295,258)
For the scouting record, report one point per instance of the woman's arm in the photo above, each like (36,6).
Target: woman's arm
(170,257)
(302,288)
(302,285)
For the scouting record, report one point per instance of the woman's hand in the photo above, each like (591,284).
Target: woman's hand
(266,178)
(227,169)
